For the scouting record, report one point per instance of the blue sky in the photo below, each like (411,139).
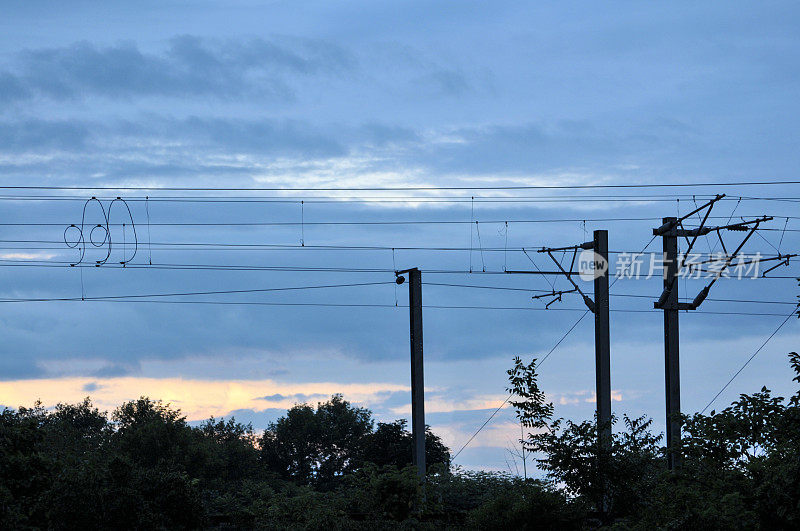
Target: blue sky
(380,94)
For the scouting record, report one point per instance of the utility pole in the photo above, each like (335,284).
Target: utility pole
(597,268)
(417,376)
(672,372)
(671,229)
(602,344)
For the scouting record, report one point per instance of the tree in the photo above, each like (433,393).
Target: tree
(570,450)
(390,445)
(315,446)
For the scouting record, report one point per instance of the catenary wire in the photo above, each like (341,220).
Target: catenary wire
(747,362)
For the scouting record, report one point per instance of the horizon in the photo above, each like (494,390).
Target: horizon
(279,169)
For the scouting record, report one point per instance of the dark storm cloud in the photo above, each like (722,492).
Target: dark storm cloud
(19,368)
(11,88)
(189,66)
(276,137)
(37,135)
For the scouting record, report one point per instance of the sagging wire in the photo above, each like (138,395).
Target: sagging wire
(80,242)
(471,219)
(302,224)
(505,250)
(394,268)
(480,245)
(149,241)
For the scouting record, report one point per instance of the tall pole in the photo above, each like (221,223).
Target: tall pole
(671,346)
(602,343)
(417,378)
(602,346)
(602,361)
(671,229)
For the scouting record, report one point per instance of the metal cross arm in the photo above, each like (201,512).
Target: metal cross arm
(555,294)
(741,226)
(671,225)
(664,299)
(589,302)
(702,230)
(584,245)
(784,261)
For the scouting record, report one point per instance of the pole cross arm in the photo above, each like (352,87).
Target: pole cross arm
(784,261)
(553,293)
(661,303)
(702,231)
(586,300)
(669,226)
(700,297)
(584,245)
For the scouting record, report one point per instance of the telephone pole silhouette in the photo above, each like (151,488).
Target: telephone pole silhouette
(417,375)
(598,266)
(670,231)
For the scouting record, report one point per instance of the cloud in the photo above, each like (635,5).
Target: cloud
(197,399)
(189,65)
(437,403)
(91,387)
(27,256)
(576,397)
(11,88)
(34,134)
(298,397)
(13,367)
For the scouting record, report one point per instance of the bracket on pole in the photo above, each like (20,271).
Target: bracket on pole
(674,228)
(574,248)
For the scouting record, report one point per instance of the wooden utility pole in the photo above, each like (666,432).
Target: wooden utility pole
(672,370)
(597,269)
(602,344)
(417,374)
(671,229)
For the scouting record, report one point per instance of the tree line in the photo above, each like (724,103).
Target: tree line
(332,466)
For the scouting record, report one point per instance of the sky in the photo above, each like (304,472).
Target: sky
(279,97)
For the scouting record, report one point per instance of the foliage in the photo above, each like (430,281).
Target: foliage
(528,400)
(740,468)
(318,446)
(144,466)
(390,444)
(331,466)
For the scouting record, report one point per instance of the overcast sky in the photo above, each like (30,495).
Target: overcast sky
(379,94)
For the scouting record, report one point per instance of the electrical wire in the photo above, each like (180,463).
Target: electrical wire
(747,362)
(379,222)
(563,337)
(404,188)
(194,293)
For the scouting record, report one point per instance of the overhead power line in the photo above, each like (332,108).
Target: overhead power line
(194,293)
(563,337)
(747,362)
(364,222)
(317,199)
(405,188)
(138,299)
